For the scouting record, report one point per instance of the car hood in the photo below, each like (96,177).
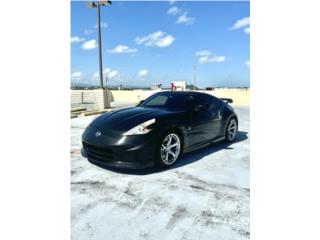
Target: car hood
(126,118)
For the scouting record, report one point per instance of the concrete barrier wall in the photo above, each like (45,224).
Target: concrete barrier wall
(93,99)
(134,96)
(240,97)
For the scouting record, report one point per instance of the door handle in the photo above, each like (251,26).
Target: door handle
(219,115)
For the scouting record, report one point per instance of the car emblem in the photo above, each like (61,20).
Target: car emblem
(97,134)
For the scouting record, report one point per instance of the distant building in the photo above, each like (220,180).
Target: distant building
(178,86)
(165,88)
(209,88)
(155,87)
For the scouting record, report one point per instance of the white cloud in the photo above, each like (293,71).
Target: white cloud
(218,59)
(205,56)
(91,44)
(110,74)
(184,19)
(203,53)
(247,63)
(88,32)
(156,39)
(77,39)
(142,73)
(76,75)
(96,75)
(211,59)
(172,1)
(243,23)
(122,49)
(102,25)
(203,59)
(173,11)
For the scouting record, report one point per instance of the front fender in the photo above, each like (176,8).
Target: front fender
(163,128)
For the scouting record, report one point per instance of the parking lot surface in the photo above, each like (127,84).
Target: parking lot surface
(204,196)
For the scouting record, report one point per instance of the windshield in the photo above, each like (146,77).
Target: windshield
(169,101)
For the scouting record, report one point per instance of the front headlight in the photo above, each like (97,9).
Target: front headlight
(141,128)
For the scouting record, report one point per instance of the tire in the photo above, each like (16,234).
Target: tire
(168,149)
(231,130)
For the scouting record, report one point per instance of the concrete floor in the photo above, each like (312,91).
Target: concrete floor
(204,196)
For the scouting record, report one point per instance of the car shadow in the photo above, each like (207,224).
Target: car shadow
(185,159)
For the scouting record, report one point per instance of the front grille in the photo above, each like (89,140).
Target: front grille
(98,153)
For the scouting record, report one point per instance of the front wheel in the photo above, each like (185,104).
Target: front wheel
(168,149)
(231,130)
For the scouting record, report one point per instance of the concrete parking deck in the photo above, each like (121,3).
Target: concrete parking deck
(204,196)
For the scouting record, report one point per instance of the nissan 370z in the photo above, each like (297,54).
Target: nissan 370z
(158,130)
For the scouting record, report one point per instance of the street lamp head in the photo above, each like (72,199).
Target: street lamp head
(101,3)
(91,5)
(105,3)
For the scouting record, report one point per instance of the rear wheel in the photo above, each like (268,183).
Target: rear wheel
(231,130)
(168,149)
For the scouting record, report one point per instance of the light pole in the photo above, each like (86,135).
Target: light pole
(194,76)
(97,5)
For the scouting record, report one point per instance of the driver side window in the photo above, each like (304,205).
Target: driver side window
(205,103)
(206,108)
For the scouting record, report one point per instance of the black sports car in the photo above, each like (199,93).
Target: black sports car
(158,130)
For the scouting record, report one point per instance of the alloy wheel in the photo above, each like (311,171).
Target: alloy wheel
(232,130)
(170,149)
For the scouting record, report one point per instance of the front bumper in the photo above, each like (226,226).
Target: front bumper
(112,150)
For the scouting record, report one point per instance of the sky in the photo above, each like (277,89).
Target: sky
(146,43)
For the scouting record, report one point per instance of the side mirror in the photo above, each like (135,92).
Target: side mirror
(140,102)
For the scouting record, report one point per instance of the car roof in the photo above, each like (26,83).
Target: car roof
(180,92)
(190,93)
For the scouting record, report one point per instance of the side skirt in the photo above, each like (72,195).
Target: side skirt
(204,144)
